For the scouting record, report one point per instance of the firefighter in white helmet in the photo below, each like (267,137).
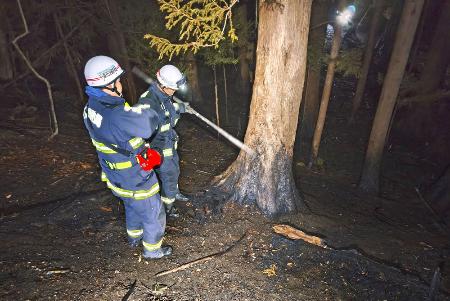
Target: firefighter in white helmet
(118,132)
(159,97)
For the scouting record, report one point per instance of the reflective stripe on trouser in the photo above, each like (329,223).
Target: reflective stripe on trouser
(133,194)
(167,201)
(135,233)
(148,215)
(168,174)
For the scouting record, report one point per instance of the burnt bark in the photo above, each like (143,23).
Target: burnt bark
(118,48)
(266,179)
(316,43)
(370,177)
(370,47)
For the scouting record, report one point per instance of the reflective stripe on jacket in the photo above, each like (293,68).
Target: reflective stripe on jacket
(166,138)
(110,121)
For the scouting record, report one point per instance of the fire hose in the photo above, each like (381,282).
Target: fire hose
(190,110)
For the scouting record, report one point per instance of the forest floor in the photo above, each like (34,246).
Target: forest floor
(63,236)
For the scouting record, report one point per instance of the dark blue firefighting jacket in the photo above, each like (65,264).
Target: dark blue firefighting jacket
(166,138)
(111,121)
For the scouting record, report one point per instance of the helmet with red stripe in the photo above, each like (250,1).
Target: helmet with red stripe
(101,70)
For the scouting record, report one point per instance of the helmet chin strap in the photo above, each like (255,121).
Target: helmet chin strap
(114,89)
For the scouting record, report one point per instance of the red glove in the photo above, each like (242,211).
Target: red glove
(149,159)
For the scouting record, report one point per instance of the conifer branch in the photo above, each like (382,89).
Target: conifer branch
(202,24)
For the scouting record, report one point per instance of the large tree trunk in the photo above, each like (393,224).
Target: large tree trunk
(118,48)
(193,77)
(438,57)
(379,5)
(326,93)
(405,34)
(316,43)
(6,68)
(266,179)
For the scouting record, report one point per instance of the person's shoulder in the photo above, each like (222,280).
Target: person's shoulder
(148,97)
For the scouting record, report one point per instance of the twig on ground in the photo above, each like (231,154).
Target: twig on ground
(204,172)
(130,291)
(202,259)
(57,271)
(57,181)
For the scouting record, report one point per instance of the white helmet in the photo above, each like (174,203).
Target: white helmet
(169,76)
(101,71)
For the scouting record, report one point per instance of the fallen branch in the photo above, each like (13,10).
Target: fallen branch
(202,259)
(296,234)
(292,233)
(27,61)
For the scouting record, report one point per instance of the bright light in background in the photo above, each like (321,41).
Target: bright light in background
(183,87)
(345,17)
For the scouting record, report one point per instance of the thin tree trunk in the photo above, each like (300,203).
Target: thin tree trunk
(194,81)
(404,38)
(379,5)
(225,89)
(336,45)
(216,94)
(244,64)
(6,67)
(55,129)
(117,45)
(438,57)
(316,43)
(418,38)
(70,65)
(266,179)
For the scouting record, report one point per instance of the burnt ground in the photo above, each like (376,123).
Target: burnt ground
(62,233)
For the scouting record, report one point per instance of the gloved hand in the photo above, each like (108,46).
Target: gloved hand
(187,108)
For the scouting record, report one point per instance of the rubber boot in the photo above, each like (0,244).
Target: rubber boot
(172,211)
(158,253)
(181,197)
(134,242)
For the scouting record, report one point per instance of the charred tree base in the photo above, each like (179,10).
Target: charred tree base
(250,181)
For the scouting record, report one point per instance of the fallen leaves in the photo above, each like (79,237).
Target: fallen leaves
(271,271)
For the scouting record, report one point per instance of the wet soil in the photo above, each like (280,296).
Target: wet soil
(63,236)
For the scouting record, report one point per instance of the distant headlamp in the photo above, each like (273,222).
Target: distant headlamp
(345,17)
(181,84)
